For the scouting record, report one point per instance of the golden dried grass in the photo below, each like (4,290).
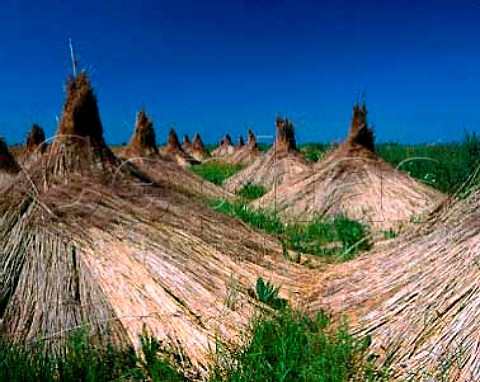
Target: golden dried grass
(186,144)
(197,150)
(8,164)
(353,181)
(225,148)
(143,153)
(143,142)
(36,140)
(418,296)
(109,248)
(247,153)
(174,151)
(281,163)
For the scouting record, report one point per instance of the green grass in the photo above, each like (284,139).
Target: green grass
(284,346)
(390,234)
(84,361)
(251,191)
(268,294)
(313,151)
(444,166)
(216,171)
(312,237)
(289,346)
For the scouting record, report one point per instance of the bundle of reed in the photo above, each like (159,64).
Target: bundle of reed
(142,152)
(174,151)
(9,167)
(225,148)
(417,296)
(186,144)
(143,142)
(36,141)
(107,248)
(281,163)
(351,180)
(245,154)
(198,150)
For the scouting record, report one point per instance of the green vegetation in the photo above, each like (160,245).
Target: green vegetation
(289,346)
(316,237)
(285,346)
(84,361)
(216,171)
(251,191)
(313,151)
(268,294)
(390,234)
(444,166)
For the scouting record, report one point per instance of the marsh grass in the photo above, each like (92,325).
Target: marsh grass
(443,166)
(84,361)
(314,237)
(216,171)
(251,191)
(290,346)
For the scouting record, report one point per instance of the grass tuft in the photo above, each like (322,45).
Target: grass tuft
(290,346)
(216,171)
(334,239)
(251,192)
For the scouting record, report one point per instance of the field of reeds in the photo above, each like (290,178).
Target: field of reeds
(240,262)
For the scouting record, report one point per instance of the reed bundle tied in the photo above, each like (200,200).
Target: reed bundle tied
(107,248)
(281,163)
(353,181)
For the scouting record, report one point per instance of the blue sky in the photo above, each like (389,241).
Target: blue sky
(222,66)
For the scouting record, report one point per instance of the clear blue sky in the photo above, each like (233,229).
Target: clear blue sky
(218,66)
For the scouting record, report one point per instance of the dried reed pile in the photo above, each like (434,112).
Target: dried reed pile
(225,148)
(174,151)
(418,296)
(198,150)
(106,247)
(186,144)
(282,163)
(35,147)
(143,142)
(142,151)
(8,165)
(79,142)
(36,140)
(241,143)
(245,154)
(352,180)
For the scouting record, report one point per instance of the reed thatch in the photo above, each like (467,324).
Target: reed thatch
(35,147)
(143,153)
(79,142)
(418,296)
(196,149)
(186,144)
(246,154)
(241,143)
(143,142)
(225,148)
(353,181)
(108,248)
(174,151)
(285,140)
(282,163)
(36,141)
(8,165)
